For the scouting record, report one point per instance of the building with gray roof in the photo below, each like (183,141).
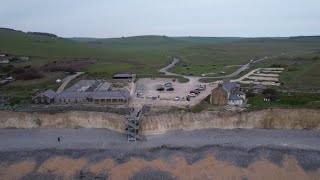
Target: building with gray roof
(92,92)
(46,97)
(228,93)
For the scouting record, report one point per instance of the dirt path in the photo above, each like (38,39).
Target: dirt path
(66,80)
(171,65)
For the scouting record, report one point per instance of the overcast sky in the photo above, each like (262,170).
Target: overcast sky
(116,18)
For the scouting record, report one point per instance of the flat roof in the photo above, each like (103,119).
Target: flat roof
(106,86)
(80,84)
(73,94)
(110,95)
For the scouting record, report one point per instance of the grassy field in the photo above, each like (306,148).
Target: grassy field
(285,100)
(145,55)
(301,71)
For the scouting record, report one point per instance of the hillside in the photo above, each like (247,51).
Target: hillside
(145,55)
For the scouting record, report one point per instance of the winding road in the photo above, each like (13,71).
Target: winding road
(244,67)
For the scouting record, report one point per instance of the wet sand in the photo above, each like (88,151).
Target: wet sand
(162,163)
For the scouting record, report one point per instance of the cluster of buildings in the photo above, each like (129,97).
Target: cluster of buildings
(85,92)
(6,58)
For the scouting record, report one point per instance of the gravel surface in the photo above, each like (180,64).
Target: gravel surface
(35,139)
(86,147)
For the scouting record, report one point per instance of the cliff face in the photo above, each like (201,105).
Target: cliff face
(71,119)
(269,118)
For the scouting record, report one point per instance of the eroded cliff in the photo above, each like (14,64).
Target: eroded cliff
(160,123)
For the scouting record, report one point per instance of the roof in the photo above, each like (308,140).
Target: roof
(234,97)
(110,95)
(50,93)
(239,93)
(65,94)
(259,86)
(106,86)
(80,84)
(122,76)
(228,86)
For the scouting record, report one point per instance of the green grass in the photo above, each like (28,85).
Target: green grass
(145,55)
(285,100)
(301,71)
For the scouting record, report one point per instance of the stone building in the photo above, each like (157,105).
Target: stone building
(92,92)
(227,93)
(86,92)
(46,97)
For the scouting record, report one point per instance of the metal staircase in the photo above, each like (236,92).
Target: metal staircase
(132,121)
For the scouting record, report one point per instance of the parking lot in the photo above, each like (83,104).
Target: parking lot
(147,93)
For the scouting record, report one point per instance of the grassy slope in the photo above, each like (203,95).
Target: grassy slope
(236,53)
(146,54)
(301,70)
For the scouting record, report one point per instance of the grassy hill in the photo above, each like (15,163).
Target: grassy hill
(147,54)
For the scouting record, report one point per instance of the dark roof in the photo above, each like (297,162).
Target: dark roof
(110,95)
(50,93)
(239,93)
(234,97)
(259,86)
(106,86)
(73,94)
(228,86)
(122,76)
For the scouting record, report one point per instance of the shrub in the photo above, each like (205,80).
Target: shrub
(17,70)
(316,58)
(29,75)
(7,68)
(278,65)
(293,69)
(270,94)
(250,94)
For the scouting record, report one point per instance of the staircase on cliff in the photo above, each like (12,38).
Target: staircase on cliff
(133,122)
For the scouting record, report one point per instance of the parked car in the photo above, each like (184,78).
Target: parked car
(167,85)
(170,89)
(200,88)
(195,92)
(192,95)
(177,98)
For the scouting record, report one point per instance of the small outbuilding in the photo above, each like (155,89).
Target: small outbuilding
(122,76)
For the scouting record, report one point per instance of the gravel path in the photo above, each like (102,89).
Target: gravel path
(66,80)
(36,139)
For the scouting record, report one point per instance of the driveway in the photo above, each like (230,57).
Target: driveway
(66,80)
